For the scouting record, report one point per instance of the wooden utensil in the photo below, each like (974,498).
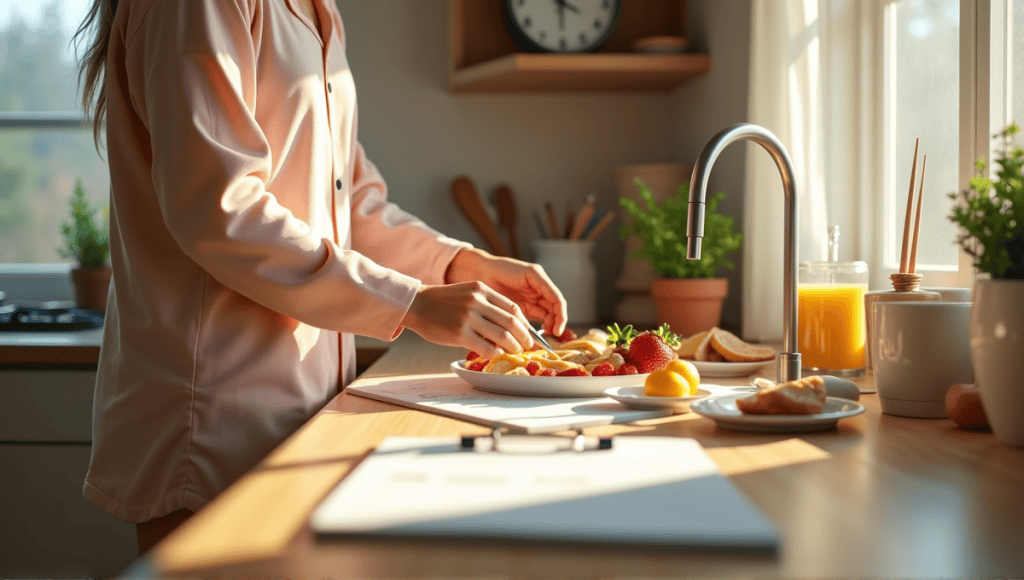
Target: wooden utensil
(468,202)
(507,216)
(583,218)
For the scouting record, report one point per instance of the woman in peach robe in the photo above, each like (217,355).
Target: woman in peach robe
(251,238)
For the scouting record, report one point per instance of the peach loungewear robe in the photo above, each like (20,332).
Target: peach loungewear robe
(250,238)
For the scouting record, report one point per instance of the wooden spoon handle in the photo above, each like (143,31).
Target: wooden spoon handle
(507,216)
(470,205)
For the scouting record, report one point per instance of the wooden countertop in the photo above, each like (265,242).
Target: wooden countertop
(880,496)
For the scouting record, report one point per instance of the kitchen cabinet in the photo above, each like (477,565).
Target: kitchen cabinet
(483,57)
(48,528)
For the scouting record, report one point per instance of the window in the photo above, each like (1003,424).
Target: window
(950,67)
(921,87)
(45,142)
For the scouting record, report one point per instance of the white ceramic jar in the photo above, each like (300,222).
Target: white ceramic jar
(570,266)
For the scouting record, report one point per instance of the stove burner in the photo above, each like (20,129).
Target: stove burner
(15,318)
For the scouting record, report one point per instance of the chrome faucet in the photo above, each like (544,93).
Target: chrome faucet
(789,359)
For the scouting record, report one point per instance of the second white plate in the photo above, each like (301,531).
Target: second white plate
(729,369)
(725,413)
(634,398)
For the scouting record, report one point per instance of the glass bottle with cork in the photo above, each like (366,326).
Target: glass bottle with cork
(831,313)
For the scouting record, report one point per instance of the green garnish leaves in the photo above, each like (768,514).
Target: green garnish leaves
(620,336)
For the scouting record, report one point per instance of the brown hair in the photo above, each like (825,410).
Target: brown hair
(93,71)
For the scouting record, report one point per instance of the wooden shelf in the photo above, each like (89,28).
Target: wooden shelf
(484,58)
(580,72)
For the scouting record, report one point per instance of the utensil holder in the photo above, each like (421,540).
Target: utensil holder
(570,266)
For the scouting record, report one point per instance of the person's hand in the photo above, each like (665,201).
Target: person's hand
(470,315)
(525,284)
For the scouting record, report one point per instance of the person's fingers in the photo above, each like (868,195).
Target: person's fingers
(550,296)
(492,332)
(510,317)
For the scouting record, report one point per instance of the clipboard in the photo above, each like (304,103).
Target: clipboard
(639,491)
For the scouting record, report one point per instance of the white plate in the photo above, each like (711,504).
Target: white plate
(729,369)
(634,398)
(544,386)
(723,410)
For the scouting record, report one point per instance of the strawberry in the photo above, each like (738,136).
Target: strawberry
(627,369)
(478,364)
(547,373)
(533,367)
(649,352)
(605,369)
(567,336)
(472,355)
(573,372)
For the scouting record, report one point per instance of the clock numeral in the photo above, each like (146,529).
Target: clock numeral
(583,39)
(597,24)
(562,45)
(527,22)
(606,4)
(543,34)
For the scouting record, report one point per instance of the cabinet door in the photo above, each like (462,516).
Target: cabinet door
(46,406)
(47,529)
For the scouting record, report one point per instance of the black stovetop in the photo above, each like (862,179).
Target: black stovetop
(47,317)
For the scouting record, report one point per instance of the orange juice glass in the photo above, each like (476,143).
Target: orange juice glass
(831,317)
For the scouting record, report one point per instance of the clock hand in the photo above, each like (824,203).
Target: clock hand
(566,4)
(561,14)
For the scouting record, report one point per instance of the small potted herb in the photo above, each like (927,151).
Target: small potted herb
(89,245)
(688,294)
(991,214)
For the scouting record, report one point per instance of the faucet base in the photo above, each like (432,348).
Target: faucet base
(789,367)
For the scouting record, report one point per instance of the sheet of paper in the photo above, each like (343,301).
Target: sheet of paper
(645,490)
(451,396)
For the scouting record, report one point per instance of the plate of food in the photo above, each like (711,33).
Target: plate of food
(800,405)
(582,366)
(720,353)
(634,398)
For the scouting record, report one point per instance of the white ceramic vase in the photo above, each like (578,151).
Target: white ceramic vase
(997,351)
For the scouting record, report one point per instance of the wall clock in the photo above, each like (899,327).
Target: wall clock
(561,25)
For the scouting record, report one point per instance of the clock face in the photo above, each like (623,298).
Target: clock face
(562,25)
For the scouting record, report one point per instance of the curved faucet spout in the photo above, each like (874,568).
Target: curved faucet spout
(789,360)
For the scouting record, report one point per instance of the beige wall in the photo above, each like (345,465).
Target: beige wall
(708,104)
(545,147)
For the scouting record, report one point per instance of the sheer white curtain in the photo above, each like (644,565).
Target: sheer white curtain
(815,83)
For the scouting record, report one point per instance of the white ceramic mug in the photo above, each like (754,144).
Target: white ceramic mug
(953,293)
(922,349)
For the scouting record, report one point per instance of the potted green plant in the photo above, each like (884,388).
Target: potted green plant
(991,214)
(89,245)
(688,294)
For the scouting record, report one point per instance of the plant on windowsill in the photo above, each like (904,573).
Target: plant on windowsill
(688,294)
(991,214)
(89,245)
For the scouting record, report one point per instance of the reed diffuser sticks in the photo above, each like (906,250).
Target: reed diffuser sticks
(908,256)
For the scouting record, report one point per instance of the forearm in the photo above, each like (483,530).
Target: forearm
(468,265)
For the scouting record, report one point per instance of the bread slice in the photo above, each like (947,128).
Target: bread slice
(702,350)
(734,349)
(800,397)
(688,346)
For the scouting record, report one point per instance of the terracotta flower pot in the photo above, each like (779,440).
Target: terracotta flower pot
(91,286)
(689,305)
